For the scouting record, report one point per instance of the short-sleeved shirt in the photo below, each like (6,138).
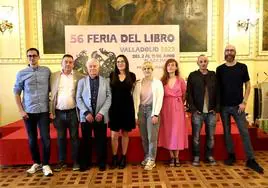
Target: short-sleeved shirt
(231,80)
(34,82)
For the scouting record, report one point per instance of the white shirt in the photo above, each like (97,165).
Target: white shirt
(66,92)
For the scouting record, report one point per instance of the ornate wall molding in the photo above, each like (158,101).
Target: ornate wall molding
(243,40)
(261,54)
(18,35)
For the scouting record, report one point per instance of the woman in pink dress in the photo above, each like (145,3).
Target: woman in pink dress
(173,134)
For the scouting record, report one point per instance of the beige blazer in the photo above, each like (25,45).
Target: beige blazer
(54,85)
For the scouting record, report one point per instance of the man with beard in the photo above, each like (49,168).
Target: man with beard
(231,76)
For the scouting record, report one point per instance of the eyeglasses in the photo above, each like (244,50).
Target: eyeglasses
(33,56)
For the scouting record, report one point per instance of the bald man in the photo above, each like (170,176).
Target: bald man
(232,76)
(93,99)
(202,100)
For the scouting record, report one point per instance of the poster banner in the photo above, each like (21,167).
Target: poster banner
(139,43)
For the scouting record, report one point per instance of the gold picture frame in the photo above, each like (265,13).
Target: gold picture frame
(15,36)
(189,56)
(263,29)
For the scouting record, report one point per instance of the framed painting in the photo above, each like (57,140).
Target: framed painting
(13,37)
(263,28)
(193,16)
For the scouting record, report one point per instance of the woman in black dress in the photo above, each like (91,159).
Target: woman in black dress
(122,113)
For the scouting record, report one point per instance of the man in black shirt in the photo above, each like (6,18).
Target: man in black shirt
(231,76)
(202,101)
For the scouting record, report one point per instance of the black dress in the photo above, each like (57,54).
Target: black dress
(122,112)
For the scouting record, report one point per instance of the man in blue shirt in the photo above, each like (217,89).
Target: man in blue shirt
(33,108)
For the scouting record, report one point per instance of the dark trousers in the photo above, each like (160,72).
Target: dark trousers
(100,134)
(67,119)
(40,120)
(240,119)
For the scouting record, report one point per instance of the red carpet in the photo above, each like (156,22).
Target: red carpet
(14,148)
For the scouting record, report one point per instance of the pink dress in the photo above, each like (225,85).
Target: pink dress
(173,133)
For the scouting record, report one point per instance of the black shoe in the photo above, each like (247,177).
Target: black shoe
(102,168)
(60,166)
(210,160)
(123,162)
(231,160)
(177,162)
(114,162)
(251,163)
(172,162)
(84,168)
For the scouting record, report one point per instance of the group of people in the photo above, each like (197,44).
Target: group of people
(156,106)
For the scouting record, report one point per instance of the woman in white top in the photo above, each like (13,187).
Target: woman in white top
(148,96)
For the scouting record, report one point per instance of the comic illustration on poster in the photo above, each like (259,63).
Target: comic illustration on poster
(155,43)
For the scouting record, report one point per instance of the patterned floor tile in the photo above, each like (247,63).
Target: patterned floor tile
(134,176)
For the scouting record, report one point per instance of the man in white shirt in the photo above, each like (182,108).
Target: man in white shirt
(63,109)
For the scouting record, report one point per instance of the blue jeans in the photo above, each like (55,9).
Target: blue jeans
(240,119)
(210,124)
(40,120)
(67,119)
(148,131)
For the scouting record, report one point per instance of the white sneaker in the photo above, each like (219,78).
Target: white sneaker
(196,161)
(144,162)
(34,168)
(47,170)
(150,165)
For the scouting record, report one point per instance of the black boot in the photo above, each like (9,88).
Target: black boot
(114,162)
(231,159)
(123,162)
(251,163)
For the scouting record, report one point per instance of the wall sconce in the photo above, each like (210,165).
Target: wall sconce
(245,23)
(5,25)
(5,18)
